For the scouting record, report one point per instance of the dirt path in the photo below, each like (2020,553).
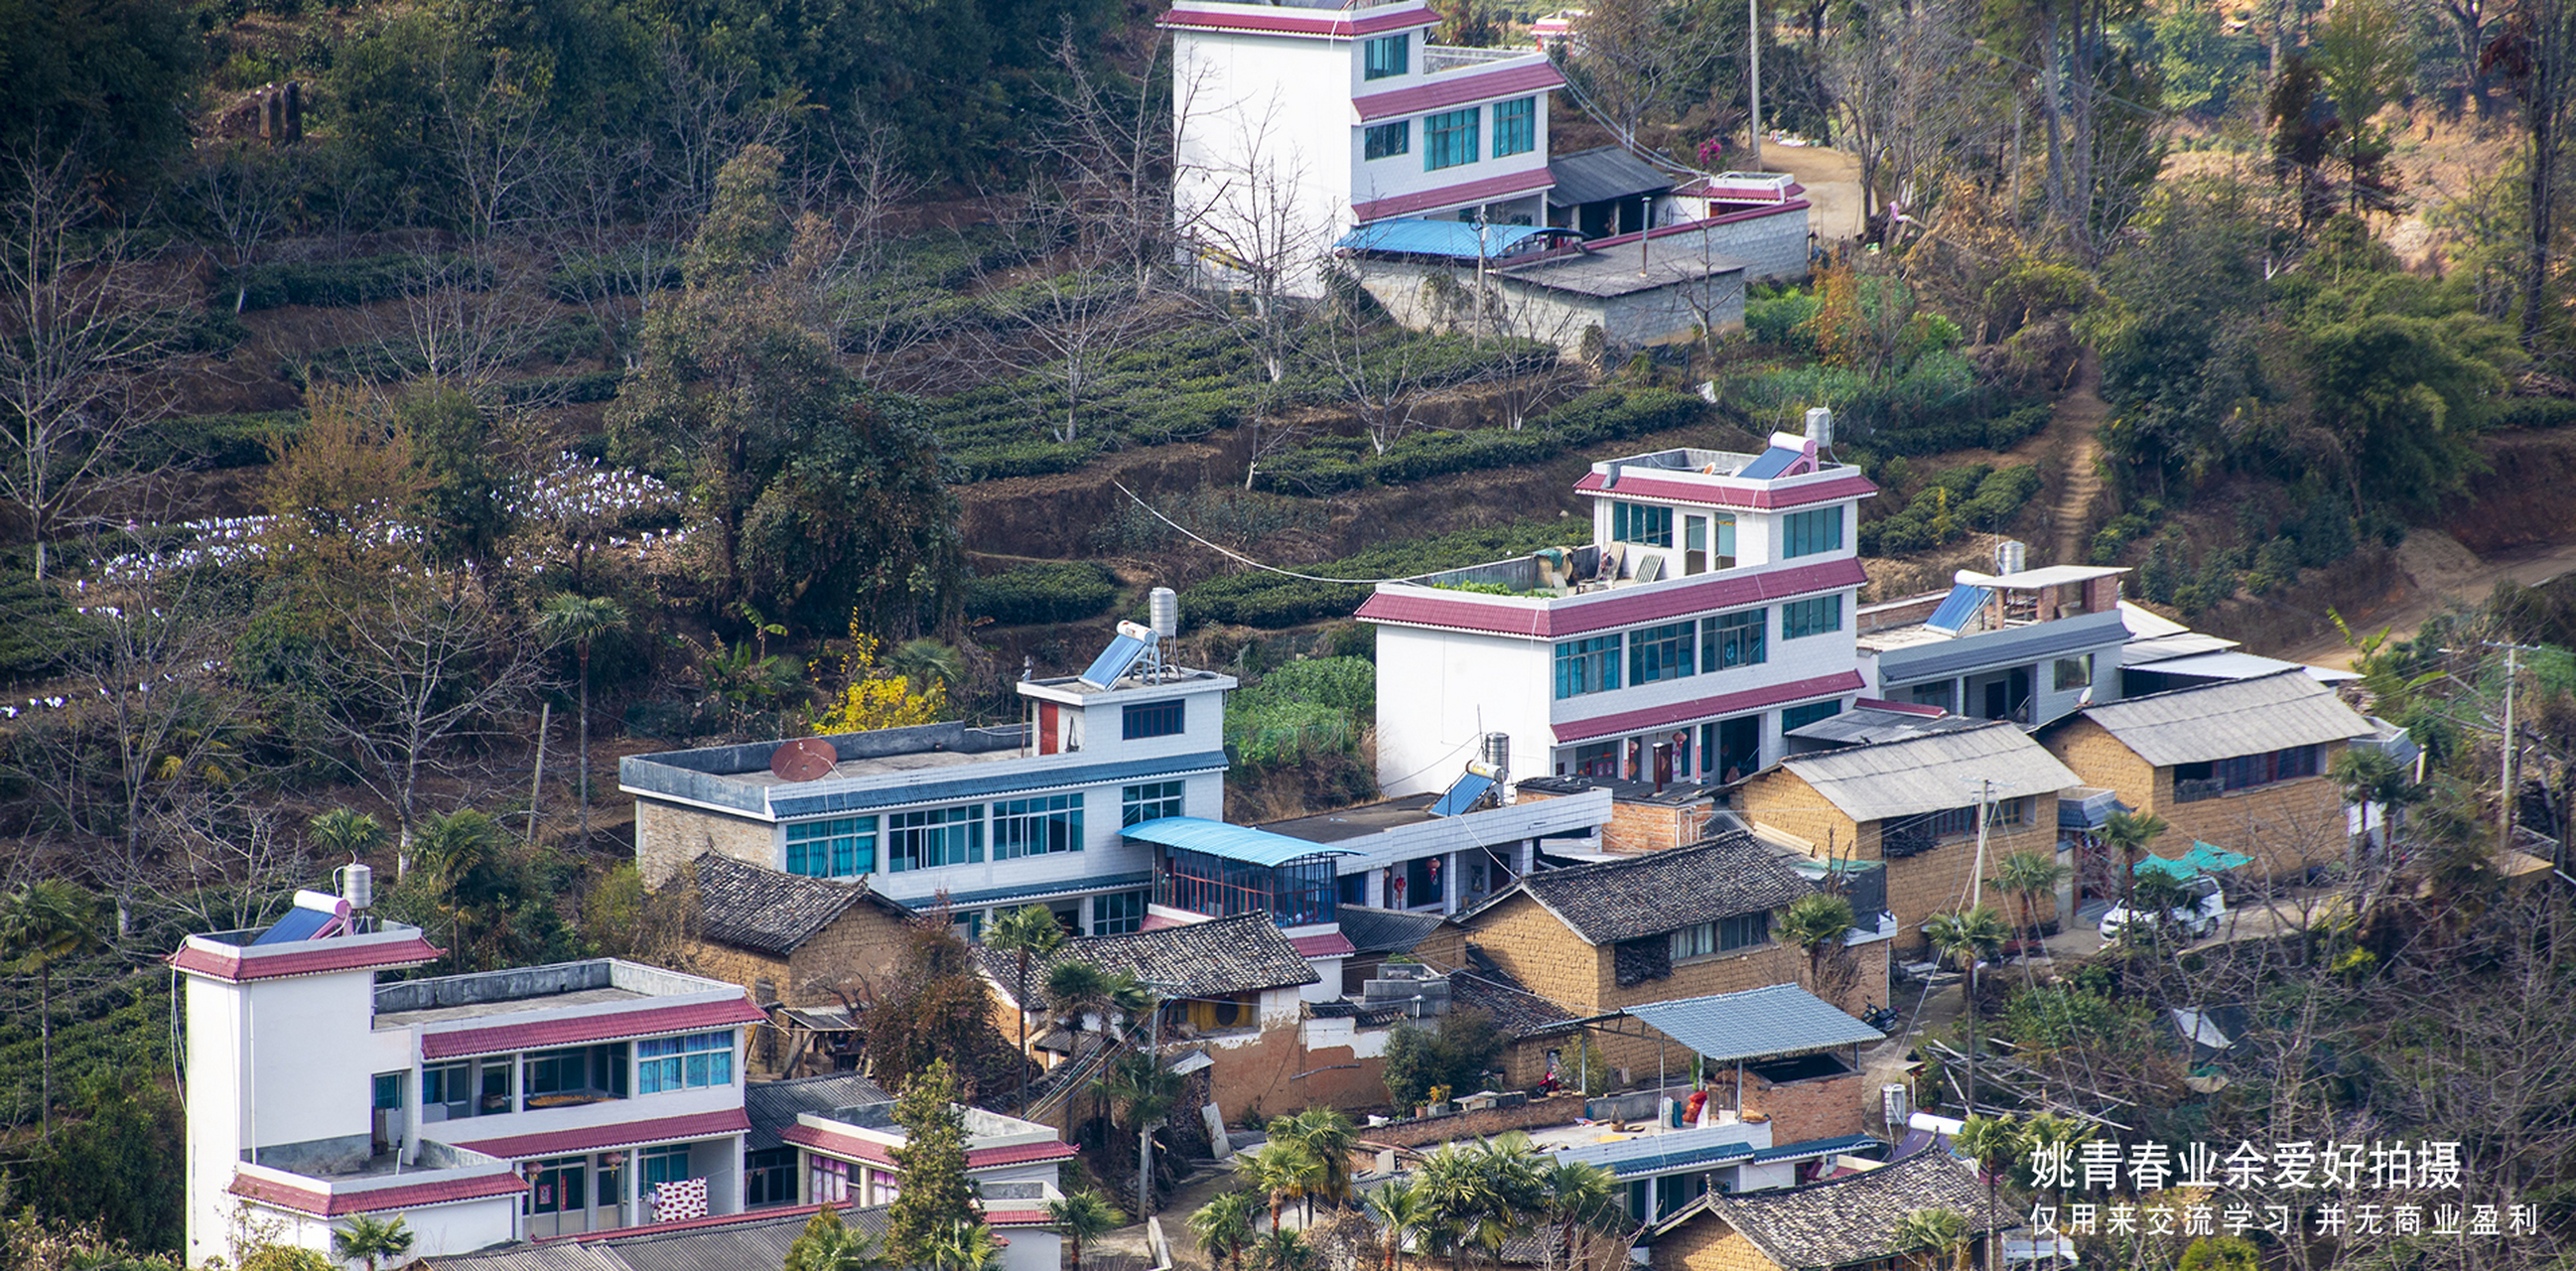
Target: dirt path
(2439,571)
(1832,179)
(2077,418)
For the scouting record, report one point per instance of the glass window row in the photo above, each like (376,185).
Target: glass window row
(1694,646)
(1042,825)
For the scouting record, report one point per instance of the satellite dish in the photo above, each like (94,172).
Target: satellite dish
(804,759)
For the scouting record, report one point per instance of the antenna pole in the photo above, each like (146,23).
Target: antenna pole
(1753,43)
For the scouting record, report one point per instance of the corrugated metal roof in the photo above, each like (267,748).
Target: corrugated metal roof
(2230,718)
(774,1105)
(2236,666)
(2147,624)
(2007,647)
(1233,842)
(1932,773)
(2144,649)
(1453,240)
(1776,1019)
(1659,1153)
(1600,174)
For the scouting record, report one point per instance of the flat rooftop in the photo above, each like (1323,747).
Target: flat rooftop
(594,982)
(887,765)
(1617,271)
(503,1006)
(1358,822)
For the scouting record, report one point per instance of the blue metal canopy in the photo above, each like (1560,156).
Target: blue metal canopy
(1454,240)
(1778,1019)
(1232,842)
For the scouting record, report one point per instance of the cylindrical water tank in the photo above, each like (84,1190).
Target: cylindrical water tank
(1497,750)
(357,885)
(1163,611)
(1820,426)
(2012,556)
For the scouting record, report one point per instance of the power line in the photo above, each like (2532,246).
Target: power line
(1239,557)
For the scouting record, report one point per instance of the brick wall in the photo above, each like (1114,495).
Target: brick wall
(1276,1072)
(1523,938)
(670,835)
(1817,1108)
(1652,827)
(1918,886)
(2285,827)
(1706,1243)
(865,941)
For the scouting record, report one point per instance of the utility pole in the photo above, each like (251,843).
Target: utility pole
(2504,810)
(1145,1128)
(1977,878)
(1753,43)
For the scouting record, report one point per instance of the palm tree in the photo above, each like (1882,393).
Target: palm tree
(43,923)
(924,662)
(1397,1209)
(1083,1216)
(1930,1233)
(344,831)
(963,1246)
(455,850)
(2153,898)
(1025,932)
(1283,1251)
(1965,939)
(1995,1144)
(1282,1170)
(1328,1136)
(1817,923)
(826,1245)
(577,620)
(1138,1084)
(2049,1132)
(1578,1196)
(2132,835)
(371,1238)
(2026,876)
(1226,1224)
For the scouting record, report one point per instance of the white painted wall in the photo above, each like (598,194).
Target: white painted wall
(1439,692)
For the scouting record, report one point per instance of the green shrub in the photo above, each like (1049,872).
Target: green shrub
(214,441)
(1066,591)
(329,283)
(1262,599)
(1949,504)
(1782,320)
(2535,412)
(39,628)
(1346,684)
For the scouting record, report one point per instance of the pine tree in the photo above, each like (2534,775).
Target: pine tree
(936,1195)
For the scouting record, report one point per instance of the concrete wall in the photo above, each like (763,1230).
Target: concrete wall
(1438,692)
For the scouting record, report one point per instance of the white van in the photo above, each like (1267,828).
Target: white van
(2197,919)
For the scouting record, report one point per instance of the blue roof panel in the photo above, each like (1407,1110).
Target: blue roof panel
(1462,795)
(1233,842)
(1114,661)
(1771,463)
(1778,1019)
(1455,240)
(298,924)
(1958,607)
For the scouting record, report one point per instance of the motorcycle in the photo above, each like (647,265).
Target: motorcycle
(1883,1018)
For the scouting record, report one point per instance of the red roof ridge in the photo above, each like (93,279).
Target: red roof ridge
(696,1125)
(329,1204)
(338,954)
(600,1026)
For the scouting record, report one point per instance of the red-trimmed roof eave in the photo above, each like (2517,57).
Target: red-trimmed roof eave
(838,1144)
(335,956)
(1459,88)
(1330,944)
(701,1125)
(378,1199)
(1727,496)
(589,1028)
(1530,181)
(1295,24)
(1651,717)
(1619,609)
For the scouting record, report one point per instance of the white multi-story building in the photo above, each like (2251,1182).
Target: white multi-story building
(1711,612)
(1296,122)
(969,818)
(479,1108)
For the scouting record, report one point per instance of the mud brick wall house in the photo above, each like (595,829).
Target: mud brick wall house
(1843,1224)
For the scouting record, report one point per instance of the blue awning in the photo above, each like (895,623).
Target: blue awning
(2203,858)
(1779,1019)
(1462,795)
(1232,842)
(1453,240)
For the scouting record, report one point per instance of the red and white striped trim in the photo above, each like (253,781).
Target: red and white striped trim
(1460,88)
(1508,185)
(1307,23)
(1654,717)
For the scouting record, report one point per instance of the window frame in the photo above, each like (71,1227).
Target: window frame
(910,837)
(845,841)
(1450,138)
(1813,616)
(1123,923)
(1812,532)
(1150,801)
(1374,140)
(1040,825)
(1743,931)
(1821,711)
(1593,658)
(1642,524)
(684,1061)
(1664,650)
(1375,65)
(1138,721)
(1520,126)
(1721,632)
(2072,673)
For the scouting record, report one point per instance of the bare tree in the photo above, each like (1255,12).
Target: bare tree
(1061,329)
(864,295)
(1639,59)
(82,327)
(1381,371)
(245,190)
(429,664)
(150,751)
(1111,152)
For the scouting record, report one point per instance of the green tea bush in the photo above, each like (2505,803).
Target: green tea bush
(1263,599)
(1066,591)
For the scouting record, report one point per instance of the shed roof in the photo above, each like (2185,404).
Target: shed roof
(1233,842)
(2230,718)
(1646,895)
(2236,665)
(749,1242)
(1853,1219)
(774,1105)
(766,911)
(1930,773)
(1776,1019)
(1372,930)
(1221,957)
(1600,174)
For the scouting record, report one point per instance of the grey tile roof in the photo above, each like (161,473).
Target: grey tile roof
(1776,1019)
(1516,1011)
(2230,718)
(1853,1219)
(1386,930)
(1220,957)
(1929,774)
(766,911)
(774,1105)
(758,1242)
(1645,895)
(1603,172)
